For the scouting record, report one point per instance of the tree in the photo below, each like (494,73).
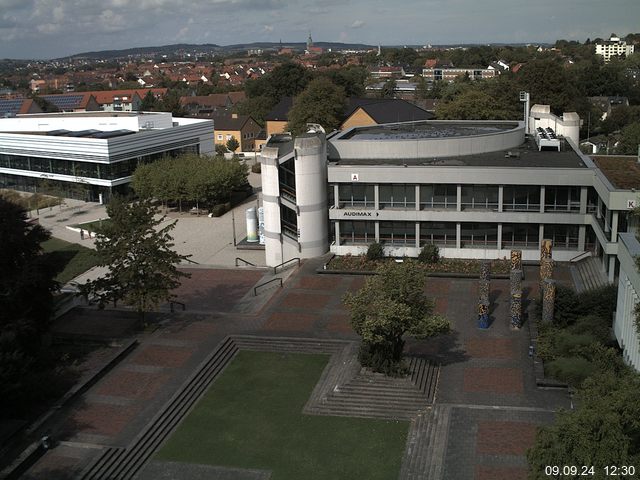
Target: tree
(473,104)
(630,139)
(140,257)
(388,89)
(604,430)
(149,103)
(321,102)
(221,149)
(388,306)
(233,144)
(26,301)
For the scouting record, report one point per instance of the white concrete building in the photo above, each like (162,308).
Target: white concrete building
(91,155)
(613,47)
(624,325)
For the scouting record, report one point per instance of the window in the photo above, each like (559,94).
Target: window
(562,199)
(479,197)
(479,234)
(397,196)
(522,198)
(219,136)
(438,197)
(229,137)
(356,195)
(357,232)
(287,176)
(564,237)
(398,233)
(289,222)
(521,235)
(443,234)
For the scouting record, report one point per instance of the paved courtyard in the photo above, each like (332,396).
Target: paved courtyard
(486,386)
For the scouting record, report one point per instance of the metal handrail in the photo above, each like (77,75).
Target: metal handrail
(284,263)
(575,259)
(244,261)
(255,289)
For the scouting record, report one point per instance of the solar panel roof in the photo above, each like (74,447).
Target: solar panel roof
(10,105)
(64,102)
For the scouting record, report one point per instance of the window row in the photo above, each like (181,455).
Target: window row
(472,197)
(105,171)
(444,234)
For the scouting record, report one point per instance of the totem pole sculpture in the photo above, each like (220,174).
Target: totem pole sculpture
(548,300)
(516,298)
(546,263)
(516,260)
(483,294)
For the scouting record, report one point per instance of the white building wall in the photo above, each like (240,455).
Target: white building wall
(274,249)
(624,326)
(568,126)
(311,194)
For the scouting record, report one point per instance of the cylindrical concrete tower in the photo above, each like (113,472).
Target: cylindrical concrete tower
(311,193)
(271,205)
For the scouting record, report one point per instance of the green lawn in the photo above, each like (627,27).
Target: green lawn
(72,259)
(251,418)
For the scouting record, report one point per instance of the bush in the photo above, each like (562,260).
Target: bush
(377,357)
(598,327)
(573,370)
(570,306)
(429,254)
(375,251)
(567,344)
(256,167)
(220,209)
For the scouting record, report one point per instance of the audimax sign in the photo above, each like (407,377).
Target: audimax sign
(354,213)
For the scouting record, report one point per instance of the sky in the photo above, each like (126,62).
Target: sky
(46,29)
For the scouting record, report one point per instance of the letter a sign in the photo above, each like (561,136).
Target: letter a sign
(354,177)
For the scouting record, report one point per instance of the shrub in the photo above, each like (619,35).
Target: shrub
(377,357)
(220,209)
(256,168)
(429,254)
(573,370)
(375,251)
(598,327)
(567,344)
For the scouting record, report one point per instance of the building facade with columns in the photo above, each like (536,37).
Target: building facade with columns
(477,189)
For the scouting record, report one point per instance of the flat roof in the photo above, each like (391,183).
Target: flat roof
(622,171)
(526,155)
(426,130)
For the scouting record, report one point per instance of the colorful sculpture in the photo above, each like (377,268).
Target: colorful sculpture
(548,300)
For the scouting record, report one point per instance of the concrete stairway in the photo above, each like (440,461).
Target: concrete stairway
(588,274)
(119,463)
(116,463)
(426,445)
(374,395)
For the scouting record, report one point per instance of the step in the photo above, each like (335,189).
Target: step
(127,462)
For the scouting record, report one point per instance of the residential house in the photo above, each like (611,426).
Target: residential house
(18,106)
(241,127)
(73,102)
(363,112)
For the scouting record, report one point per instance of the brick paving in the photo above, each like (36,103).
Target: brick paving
(162,355)
(486,378)
(493,380)
(505,438)
(484,472)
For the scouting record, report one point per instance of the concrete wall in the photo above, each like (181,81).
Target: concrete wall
(624,326)
(429,147)
(311,194)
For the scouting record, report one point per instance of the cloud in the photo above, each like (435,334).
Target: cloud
(267,29)
(358,24)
